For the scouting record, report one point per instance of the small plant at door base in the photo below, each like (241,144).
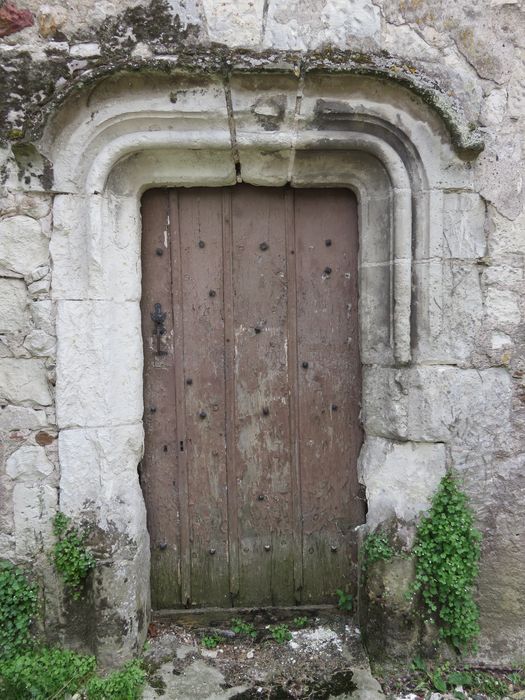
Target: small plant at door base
(447,552)
(72,560)
(18,608)
(53,674)
(376,548)
(345,601)
(281,633)
(211,641)
(245,629)
(125,684)
(300,622)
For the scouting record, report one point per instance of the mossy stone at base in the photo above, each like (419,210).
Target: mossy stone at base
(389,615)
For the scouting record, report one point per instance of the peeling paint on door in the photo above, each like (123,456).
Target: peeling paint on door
(252,414)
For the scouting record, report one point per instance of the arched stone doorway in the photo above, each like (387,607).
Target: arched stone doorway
(275,128)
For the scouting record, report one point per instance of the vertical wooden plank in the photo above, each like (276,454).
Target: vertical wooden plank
(159,464)
(297,517)
(329,387)
(181,476)
(202,356)
(229,376)
(261,396)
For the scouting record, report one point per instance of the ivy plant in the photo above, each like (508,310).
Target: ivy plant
(72,559)
(376,548)
(447,552)
(18,608)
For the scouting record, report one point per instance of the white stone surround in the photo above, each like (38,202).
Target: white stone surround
(130,135)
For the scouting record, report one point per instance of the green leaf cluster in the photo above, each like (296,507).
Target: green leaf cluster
(447,552)
(72,560)
(18,608)
(125,684)
(53,674)
(345,601)
(44,674)
(376,548)
(445,679)
(211,641)
(244,629)
(281,633)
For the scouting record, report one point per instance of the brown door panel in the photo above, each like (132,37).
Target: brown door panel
(252,414)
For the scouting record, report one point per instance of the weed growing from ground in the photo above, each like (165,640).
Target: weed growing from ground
(345,601)
(244,629)
(18,608)
(211,641)
(53,674)
(281,633)
(300,622)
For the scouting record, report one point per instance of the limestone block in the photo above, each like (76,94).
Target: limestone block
(400,478)
(7,546)
(14,315)
(34,506)
(449,311)
(265,168)
(505,235)
(40,288)
(68,247)
(460,406)
(51,18)
(23,246)
(40,344)
(24,381)
(495,174)
(87,50)
(29,463)
(385,402)
(234,24)
(43,315)
(99,363)
(493,108)
(263,103)
(34,498)
(502,306)
(37,205)
(104,461)
(110,268)
(122,605)
(21,418)
(37,274)
(463,225)
(301,26)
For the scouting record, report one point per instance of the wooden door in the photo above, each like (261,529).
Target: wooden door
(251,394)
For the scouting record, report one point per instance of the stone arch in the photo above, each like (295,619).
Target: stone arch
(185,129)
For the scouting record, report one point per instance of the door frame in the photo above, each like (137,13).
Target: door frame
(386,147)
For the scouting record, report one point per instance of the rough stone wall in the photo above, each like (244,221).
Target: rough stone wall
(462,403)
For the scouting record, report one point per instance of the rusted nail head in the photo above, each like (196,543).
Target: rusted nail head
(263,246)
(159,251)
(212,293)
(328,270)
(201,244)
